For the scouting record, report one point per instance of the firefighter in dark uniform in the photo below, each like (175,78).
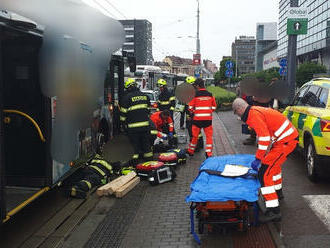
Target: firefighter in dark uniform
(166,99)
(134,114)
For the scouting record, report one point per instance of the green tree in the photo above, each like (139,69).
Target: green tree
(306,71)
(221,74)
(265,75)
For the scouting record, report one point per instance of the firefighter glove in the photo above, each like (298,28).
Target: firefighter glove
(255,164)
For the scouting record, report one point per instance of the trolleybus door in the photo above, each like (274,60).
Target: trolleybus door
(27,161)
(2,169)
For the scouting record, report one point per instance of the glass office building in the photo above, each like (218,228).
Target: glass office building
(315,46)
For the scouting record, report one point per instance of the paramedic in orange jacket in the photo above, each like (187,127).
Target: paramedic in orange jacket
(163,122)
(277,138)
(201,108)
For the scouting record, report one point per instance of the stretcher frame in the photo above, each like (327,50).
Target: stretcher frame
(223,214)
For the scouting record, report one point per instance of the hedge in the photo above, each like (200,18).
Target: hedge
(223,97)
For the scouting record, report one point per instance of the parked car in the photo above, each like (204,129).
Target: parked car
(310,114)
(153,95)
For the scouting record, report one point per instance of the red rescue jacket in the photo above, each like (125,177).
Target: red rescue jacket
(159,123)
(271,127)
(202,105)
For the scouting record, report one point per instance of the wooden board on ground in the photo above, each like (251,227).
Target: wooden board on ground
(114,185)
(127,187)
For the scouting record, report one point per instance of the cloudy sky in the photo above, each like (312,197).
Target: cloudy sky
(174,22)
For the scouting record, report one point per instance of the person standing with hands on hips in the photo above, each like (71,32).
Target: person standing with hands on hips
(277,138)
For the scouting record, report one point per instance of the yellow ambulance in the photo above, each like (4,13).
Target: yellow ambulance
(310,114)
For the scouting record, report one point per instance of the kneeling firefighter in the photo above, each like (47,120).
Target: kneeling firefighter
(134,114)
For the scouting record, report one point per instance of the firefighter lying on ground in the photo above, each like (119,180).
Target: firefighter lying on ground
(277,138)
(201,108)
(164,124)
(134,114)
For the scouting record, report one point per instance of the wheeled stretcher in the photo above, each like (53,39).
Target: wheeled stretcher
(224,194)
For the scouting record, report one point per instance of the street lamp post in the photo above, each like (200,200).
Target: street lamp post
(198,47)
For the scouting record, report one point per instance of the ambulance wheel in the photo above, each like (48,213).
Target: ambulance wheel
(200,227)
(312,161)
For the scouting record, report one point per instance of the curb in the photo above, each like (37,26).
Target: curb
(274,232)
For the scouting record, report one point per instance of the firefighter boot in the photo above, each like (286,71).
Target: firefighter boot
(271,215)
(280,194)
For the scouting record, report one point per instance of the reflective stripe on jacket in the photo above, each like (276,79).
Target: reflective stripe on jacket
(159,123)
(202,105)
(134,111)
(166,100)
(270,126)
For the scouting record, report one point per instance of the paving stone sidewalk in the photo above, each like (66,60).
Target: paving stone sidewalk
(159,216)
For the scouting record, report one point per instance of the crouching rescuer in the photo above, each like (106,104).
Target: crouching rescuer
(134,114)
(201,108)
(277,138)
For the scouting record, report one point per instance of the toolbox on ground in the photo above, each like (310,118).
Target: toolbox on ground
(223,193)
(156,172)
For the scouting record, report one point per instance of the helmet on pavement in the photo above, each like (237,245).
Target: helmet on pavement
(129,82)
(190,80)
(161,82)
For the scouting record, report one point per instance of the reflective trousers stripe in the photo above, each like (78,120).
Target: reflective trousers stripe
(278,186)
(101,172)
(272,203)
(89,185)
(102,162)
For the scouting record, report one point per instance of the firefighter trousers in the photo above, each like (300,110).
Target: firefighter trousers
(270,172)
(209,142)
(141,145)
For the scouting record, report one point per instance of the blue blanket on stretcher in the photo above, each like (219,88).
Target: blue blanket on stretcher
(208,187)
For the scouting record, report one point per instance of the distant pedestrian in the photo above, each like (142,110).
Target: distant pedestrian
(277,138)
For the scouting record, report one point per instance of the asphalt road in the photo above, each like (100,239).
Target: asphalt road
(306,206)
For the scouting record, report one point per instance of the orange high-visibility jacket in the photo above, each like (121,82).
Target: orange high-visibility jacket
(270,126)
(202,105)
(159,123)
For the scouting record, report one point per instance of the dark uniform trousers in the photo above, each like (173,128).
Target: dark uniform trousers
(141,144)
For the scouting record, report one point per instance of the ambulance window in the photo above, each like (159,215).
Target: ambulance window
(323,98)
(299,96)
(311,97)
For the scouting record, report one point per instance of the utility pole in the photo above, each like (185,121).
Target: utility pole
(292,55)
(198,46)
